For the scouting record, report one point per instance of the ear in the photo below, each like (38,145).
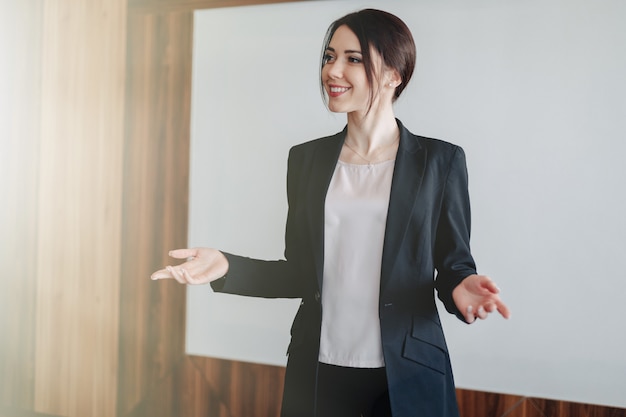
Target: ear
(392,78)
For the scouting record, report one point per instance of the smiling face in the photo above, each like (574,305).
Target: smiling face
(343,73)
(383,59)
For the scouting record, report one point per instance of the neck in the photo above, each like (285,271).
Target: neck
(377,129)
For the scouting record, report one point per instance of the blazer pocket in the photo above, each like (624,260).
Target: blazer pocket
(426,345)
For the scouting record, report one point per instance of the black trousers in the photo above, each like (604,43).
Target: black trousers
(352,392)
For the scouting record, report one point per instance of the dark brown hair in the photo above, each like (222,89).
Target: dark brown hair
(387,35)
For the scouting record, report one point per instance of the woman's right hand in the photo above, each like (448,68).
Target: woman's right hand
(203,266)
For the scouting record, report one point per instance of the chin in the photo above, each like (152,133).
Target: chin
(336,108)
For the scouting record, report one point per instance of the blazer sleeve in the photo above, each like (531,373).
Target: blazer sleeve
(453,258)
(265,278)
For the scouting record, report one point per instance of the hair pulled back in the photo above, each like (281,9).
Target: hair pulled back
(386,34)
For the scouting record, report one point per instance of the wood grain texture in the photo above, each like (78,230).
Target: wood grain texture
(79,207)
(246,389)
(20,73)
(196,396)
(549,408)
(190,5)
(483,404)
(155,205)
(486,404)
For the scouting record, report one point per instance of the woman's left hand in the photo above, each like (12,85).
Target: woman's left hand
(477,296)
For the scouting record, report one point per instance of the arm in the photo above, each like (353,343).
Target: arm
(463,292)
(237,274)
(270,279)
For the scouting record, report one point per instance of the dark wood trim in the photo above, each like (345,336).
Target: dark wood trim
(150,6)
(252,389)
(246,389)
(155,201)
(184,392)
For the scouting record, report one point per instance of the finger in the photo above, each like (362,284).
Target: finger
(490,286)
(481,313)
(176,274)
(161,274)
(491,307)
(183,253)
(503,309)
(469,315)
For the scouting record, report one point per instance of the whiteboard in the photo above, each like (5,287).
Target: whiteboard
(534,91)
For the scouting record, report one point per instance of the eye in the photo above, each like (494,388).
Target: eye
(327,58)
(355,60)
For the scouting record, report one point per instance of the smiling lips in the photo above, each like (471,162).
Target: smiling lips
(336,91)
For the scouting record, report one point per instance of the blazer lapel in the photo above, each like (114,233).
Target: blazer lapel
(405,185)
(407,179)
(323,166)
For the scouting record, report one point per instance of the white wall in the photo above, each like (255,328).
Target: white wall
(534,91)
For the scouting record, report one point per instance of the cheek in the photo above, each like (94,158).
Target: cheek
(324,72)
(358,77)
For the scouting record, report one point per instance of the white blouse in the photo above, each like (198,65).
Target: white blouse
(355,219)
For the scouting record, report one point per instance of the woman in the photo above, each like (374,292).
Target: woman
(374,212)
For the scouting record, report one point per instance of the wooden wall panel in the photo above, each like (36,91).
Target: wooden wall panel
(20,72)
(246,389)
(79,207)
(474,404)
(486,404)
(190,5)
(156,177)
(197,398)
(255,390)
(570,409)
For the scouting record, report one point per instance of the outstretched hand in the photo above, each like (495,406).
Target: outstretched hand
(203,265)
(477,296)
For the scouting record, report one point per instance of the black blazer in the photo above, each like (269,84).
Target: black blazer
(427,233)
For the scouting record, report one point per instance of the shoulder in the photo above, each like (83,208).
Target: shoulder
(323,142)
(325,147)
(439,145)
(436,148)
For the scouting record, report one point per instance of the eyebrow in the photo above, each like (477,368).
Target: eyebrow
(347,51)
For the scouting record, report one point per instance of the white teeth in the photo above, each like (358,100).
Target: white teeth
(338,89)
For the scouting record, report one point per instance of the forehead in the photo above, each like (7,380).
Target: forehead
(345,41)
(344,38)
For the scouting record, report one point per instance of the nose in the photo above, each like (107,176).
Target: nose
(334,70)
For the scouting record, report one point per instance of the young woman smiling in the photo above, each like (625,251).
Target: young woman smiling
(378,221)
